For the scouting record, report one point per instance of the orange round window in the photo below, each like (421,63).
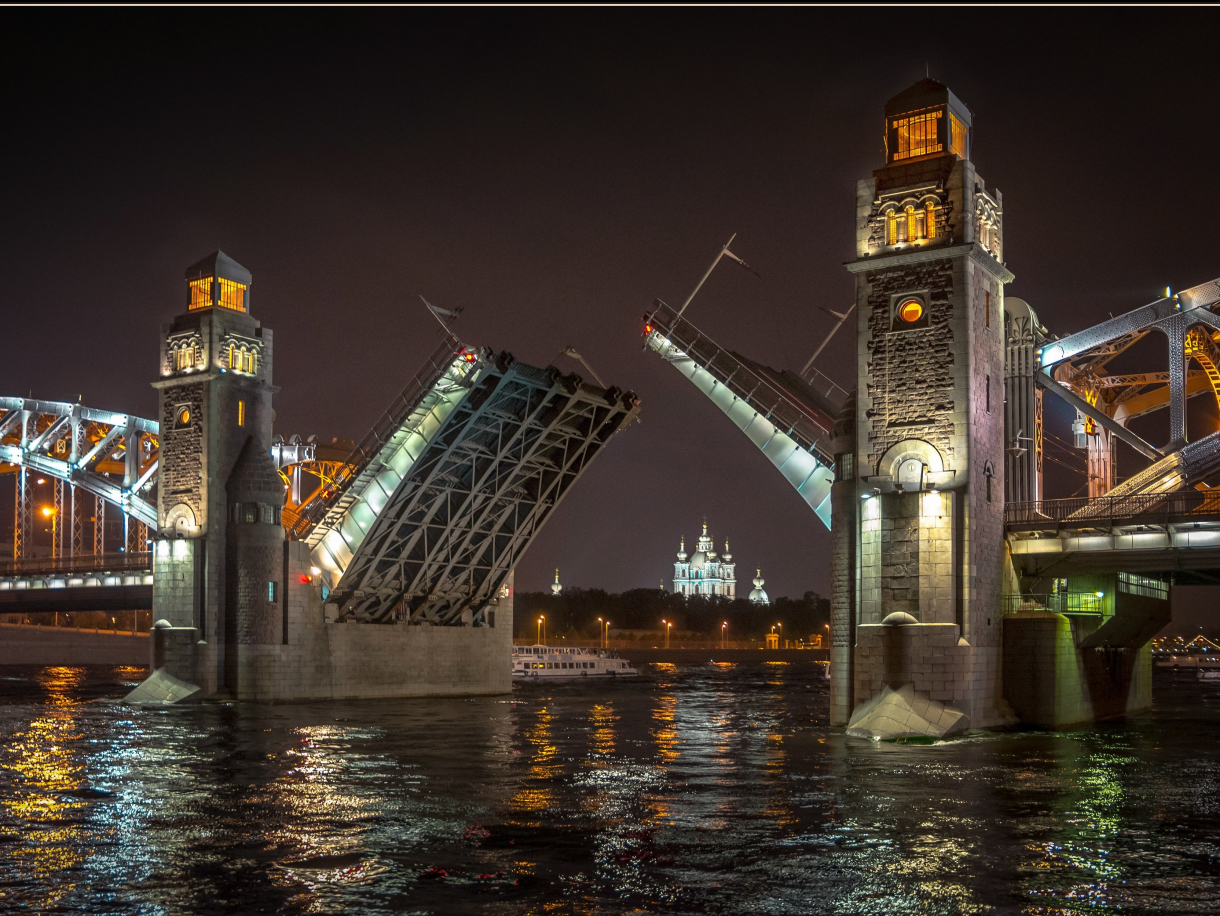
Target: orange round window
(184,416)
(910,310)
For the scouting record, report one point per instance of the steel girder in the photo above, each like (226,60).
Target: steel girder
(1084,354)
(495,452)
(111,455)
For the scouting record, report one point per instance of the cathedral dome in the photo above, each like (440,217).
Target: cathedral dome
(758,595)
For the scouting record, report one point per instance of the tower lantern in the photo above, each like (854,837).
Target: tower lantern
(924,121)
(218,282)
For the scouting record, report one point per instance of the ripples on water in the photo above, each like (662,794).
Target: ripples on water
(702,789)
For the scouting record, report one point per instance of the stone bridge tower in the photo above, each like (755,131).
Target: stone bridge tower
(918,507)
(219,553)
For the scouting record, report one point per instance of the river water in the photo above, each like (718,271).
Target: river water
(695,789)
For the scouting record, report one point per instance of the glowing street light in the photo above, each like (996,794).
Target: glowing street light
(781,634)
(668,625)
(50,513)
(541,630)
(724,626)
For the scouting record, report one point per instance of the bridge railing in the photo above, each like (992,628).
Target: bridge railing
(385,427)
(802,422)
(1107,511)
(1069,603)
(103,562)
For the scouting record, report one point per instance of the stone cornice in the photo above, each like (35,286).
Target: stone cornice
(922,255)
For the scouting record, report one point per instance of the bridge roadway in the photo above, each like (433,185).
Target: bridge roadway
(1171,533)
(109,582)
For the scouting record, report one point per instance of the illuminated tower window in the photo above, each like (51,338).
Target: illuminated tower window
(912,224)
(957,136)
(892,228)
(917,135)
(929,220)
(241,413)
(232,295)
(201,293)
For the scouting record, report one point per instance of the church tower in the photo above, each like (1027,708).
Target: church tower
(919,493)
(219,547)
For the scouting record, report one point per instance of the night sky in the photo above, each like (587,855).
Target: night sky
(551,172)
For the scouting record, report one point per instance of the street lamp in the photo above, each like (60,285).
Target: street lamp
(542,629)
(723,627)
(50,513)
(668,626)
(600,623)
(781,634)
(827,636)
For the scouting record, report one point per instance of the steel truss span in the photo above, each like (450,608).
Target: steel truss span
(111,455)
(445,494)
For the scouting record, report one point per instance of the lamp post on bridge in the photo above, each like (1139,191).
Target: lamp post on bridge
(724,626)
(542,629)
(50,513)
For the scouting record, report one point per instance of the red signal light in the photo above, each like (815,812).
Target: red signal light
(305,580)
(647,329)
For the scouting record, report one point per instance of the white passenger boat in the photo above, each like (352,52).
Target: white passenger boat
(563,662)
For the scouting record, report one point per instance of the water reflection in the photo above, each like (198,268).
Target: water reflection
(711,788)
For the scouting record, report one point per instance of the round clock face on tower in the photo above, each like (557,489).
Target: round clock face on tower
(183,417)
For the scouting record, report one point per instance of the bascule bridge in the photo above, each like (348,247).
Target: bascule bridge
(289,570)
(961,597)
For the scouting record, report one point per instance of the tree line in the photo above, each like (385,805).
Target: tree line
(574,613)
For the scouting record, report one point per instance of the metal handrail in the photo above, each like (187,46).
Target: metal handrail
(394,416)
(102,562)
(772,402)
(1055,603)
(1104,511)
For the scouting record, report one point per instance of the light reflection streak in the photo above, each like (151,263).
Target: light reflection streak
(45,794)
(537,795)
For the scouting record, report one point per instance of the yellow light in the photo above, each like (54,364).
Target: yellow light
(48,511)
(911,310)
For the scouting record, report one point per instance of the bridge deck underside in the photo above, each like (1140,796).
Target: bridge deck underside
(444,543)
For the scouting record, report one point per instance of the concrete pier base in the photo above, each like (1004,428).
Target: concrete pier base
(1053,681)
(316,658)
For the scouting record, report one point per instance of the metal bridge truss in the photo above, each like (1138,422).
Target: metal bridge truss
(789,419)
(437,505)
(86,452)
(110,456)
(1074,367)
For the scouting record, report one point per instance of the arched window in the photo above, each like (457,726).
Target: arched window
(912,224)
(929,219)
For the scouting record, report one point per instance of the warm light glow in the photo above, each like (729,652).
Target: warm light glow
(48,511)
(911,310)
(957,136)
(201,293)
(184,416)
(917,135)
